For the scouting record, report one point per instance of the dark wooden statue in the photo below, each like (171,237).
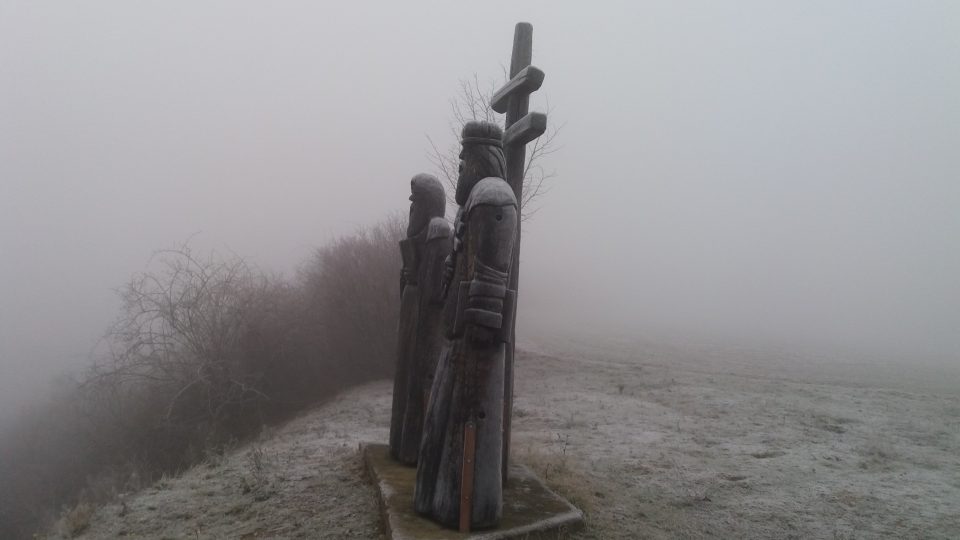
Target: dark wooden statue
(459,482)
(421,305)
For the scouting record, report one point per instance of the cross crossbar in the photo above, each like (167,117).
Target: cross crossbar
(526,82)
(525,130)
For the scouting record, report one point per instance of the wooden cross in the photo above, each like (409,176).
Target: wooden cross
(520,128)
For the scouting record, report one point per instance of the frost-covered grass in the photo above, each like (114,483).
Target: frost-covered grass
(647,447)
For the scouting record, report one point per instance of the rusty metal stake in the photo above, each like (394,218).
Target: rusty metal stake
(466,476)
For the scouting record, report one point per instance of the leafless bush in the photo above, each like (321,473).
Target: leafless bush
(353,288)
(206,350)
(176,349)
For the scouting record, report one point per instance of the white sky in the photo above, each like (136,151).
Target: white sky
(760,170)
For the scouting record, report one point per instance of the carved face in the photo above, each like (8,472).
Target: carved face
(419,213)
(481,156)
(470,174)
(427,201)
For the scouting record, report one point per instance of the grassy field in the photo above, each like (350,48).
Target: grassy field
(651,441)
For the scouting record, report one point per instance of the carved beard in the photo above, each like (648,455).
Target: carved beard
(419,218)
(471,172)
(469,176)
(476,163)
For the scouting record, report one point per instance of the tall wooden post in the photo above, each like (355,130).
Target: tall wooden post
(519,129)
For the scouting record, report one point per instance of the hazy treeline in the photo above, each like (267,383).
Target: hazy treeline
(206,351)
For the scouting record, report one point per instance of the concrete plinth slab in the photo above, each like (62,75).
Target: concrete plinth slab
(530,509)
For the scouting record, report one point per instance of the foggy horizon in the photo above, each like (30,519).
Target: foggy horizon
(765,174)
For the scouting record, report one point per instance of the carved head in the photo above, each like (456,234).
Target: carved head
(427,201)
(481,155)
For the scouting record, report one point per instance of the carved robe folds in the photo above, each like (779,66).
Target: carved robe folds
(419,335)
(461,453)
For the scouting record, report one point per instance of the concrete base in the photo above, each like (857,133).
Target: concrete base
(530,509)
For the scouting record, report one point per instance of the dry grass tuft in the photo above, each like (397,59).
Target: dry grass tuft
(75,521)
(877,455)
(827,422)
(258,479)
(564,476)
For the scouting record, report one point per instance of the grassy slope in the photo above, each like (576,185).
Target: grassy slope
(649,446)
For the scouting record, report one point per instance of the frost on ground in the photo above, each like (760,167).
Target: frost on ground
(301,480)
(651,443)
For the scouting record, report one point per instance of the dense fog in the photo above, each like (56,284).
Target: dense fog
(757,172)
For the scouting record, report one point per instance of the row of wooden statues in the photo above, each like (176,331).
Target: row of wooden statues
(455,323)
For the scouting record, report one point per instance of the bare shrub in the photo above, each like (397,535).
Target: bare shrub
(353,289)
(175,380)
(206,351)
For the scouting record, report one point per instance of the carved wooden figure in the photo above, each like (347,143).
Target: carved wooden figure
(459,480)
(424,251)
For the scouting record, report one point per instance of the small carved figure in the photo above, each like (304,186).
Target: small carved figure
(419,331)
(459,482)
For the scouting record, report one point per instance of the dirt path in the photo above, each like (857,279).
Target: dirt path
(648,450)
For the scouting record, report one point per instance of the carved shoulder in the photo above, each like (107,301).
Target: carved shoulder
(491,231)
(438,228)
(490,191)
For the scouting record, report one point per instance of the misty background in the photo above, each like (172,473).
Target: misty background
(756,172)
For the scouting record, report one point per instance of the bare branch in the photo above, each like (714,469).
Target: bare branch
(472,102)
